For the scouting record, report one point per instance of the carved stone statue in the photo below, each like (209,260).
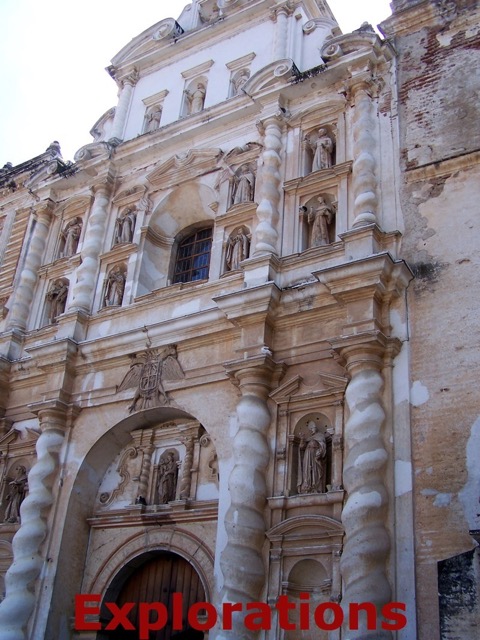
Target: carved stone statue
(125,226)
(196,99)
(320,215)
(114,288)
(153,120)
(57,297)
(16,495)
(239,82)
(238,249)
(312,461)
(322,151)
(71,234)
(244,185)
(167,479)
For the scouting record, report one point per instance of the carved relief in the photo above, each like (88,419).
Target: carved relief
(114,286)
(125,226)
(148,374)
(69,238)
(56,299)
(106,498)
(238,248)
(238,81)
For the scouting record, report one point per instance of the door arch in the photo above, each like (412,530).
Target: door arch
(154,576)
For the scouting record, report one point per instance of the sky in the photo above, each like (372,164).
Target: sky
(53,54)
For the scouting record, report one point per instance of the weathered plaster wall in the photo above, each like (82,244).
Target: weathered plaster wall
(439,142)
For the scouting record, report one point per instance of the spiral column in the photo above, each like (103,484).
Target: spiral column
(186,479)
(20,579)
(364,164)
(265,239)
(28,278)
(241,561)
(367,545)
(84,289)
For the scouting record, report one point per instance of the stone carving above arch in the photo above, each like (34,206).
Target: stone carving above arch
(180,168)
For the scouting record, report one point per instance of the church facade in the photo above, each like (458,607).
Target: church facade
(237,348)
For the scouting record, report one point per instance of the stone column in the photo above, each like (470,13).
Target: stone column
(20,579)
(28,278)
(186,480)
(367,546)
(266,236)
(280,15)
(84,288)
(364,143)
(147,452)
(127,84)
(241,561)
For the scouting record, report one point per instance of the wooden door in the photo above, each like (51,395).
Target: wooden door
(155,579)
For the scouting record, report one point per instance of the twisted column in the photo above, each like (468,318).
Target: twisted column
(186,480)
(28,278)
(145,472)
(363,169)
(241,561)
(127,84)
(367,546)
(84,289)
(20,579)
(265,238)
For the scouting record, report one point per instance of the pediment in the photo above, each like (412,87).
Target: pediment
(361,40)
(318,384)
(276,74)
(183,167)
(14,436)
(305,526)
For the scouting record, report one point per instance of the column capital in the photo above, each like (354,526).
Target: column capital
(368,350)
(54,414)
(44,209)
(131,78)
(285,8)
(363,81)
(103,186)
(256,375)
(279,118)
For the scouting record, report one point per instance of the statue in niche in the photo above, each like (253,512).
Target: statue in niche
(320,216)
(244,185)
(114,288)
(312,454)
(125,226)
(57,297)
(152,120)
(239,82)
(322,148)
(196,99)
(148,373)
(71,235)
(16,495)
(167,478)
(238,249)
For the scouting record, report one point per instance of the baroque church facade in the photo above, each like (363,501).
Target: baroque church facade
(238,333)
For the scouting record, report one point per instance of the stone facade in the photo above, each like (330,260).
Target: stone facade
(235,331)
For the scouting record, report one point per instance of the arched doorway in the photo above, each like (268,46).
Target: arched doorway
(154,577)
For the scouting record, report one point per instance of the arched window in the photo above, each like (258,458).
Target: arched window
(193,257)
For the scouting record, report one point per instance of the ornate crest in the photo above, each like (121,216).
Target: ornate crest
(148,373)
